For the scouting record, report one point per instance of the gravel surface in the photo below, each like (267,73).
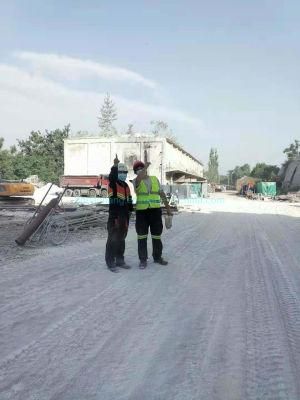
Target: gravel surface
(221,321)
(11,226)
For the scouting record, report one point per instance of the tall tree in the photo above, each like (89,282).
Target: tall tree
(108,115)
(161,129)
(223,179)
(293,151)
(130,130)
(213,167)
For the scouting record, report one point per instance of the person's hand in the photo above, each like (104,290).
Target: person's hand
(116,160)
(169,212)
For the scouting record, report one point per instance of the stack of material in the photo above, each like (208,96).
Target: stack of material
(290,197)
(85,219)
(41,192)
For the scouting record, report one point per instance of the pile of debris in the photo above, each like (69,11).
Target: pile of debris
(290,197)
(49,190)
(86,218)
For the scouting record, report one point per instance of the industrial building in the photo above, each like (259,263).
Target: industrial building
(169,161)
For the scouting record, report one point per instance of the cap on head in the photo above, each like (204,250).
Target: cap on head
(122,168)
(138,165)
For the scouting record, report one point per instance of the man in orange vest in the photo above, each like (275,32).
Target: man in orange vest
(120,207)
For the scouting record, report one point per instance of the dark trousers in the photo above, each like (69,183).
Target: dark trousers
(115,246)
(151,217)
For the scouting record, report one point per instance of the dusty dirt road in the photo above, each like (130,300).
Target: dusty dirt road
(221,321)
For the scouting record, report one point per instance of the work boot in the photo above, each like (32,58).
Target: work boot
(161,261)
(122,264)
(143,264)
(112,267)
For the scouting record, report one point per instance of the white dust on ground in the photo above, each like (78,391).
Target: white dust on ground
(221,321)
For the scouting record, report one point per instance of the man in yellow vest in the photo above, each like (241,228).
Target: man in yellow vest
(148,213)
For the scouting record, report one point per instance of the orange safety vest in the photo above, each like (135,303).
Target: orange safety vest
(119,192)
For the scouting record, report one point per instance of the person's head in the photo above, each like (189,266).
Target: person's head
(122,172)
(138,166)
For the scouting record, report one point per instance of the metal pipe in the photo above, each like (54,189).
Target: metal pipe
(36,222)
(39,206)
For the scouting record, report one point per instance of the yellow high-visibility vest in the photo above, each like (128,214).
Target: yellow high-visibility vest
(146,199)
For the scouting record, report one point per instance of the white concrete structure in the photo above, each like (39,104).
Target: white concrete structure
(94,156)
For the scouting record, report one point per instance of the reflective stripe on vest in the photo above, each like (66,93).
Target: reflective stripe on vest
(121,192)
(145,199)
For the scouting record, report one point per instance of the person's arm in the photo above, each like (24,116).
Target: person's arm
(165,201)
(113,176)
(98,184)
(130,203)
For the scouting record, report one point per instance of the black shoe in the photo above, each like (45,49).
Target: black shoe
(143,264)
(161,261)
(122,264)
(113,268)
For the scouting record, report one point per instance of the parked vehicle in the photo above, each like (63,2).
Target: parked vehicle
(15,188)
(85,185)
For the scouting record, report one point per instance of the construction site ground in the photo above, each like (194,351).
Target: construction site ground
(12,224)
(221,321)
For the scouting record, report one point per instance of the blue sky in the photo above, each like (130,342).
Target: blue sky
(221,73)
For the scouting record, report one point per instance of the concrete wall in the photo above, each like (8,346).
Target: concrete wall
(175,160)
(94,156)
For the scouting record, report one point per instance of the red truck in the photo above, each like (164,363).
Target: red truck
(85,185)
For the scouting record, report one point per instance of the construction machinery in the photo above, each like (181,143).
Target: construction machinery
(9,188)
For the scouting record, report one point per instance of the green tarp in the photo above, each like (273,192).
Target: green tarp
(266,188)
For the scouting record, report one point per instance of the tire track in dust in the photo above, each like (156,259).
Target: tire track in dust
(287,299)
(269,372)
(206,381)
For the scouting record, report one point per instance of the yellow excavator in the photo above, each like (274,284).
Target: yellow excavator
(15,188)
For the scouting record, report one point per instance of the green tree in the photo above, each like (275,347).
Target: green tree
(293,151)
(42,155)
(223,179)
(6,162)
(265,172)
(212,173)
(108,115)
(229,176)
(238,172)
